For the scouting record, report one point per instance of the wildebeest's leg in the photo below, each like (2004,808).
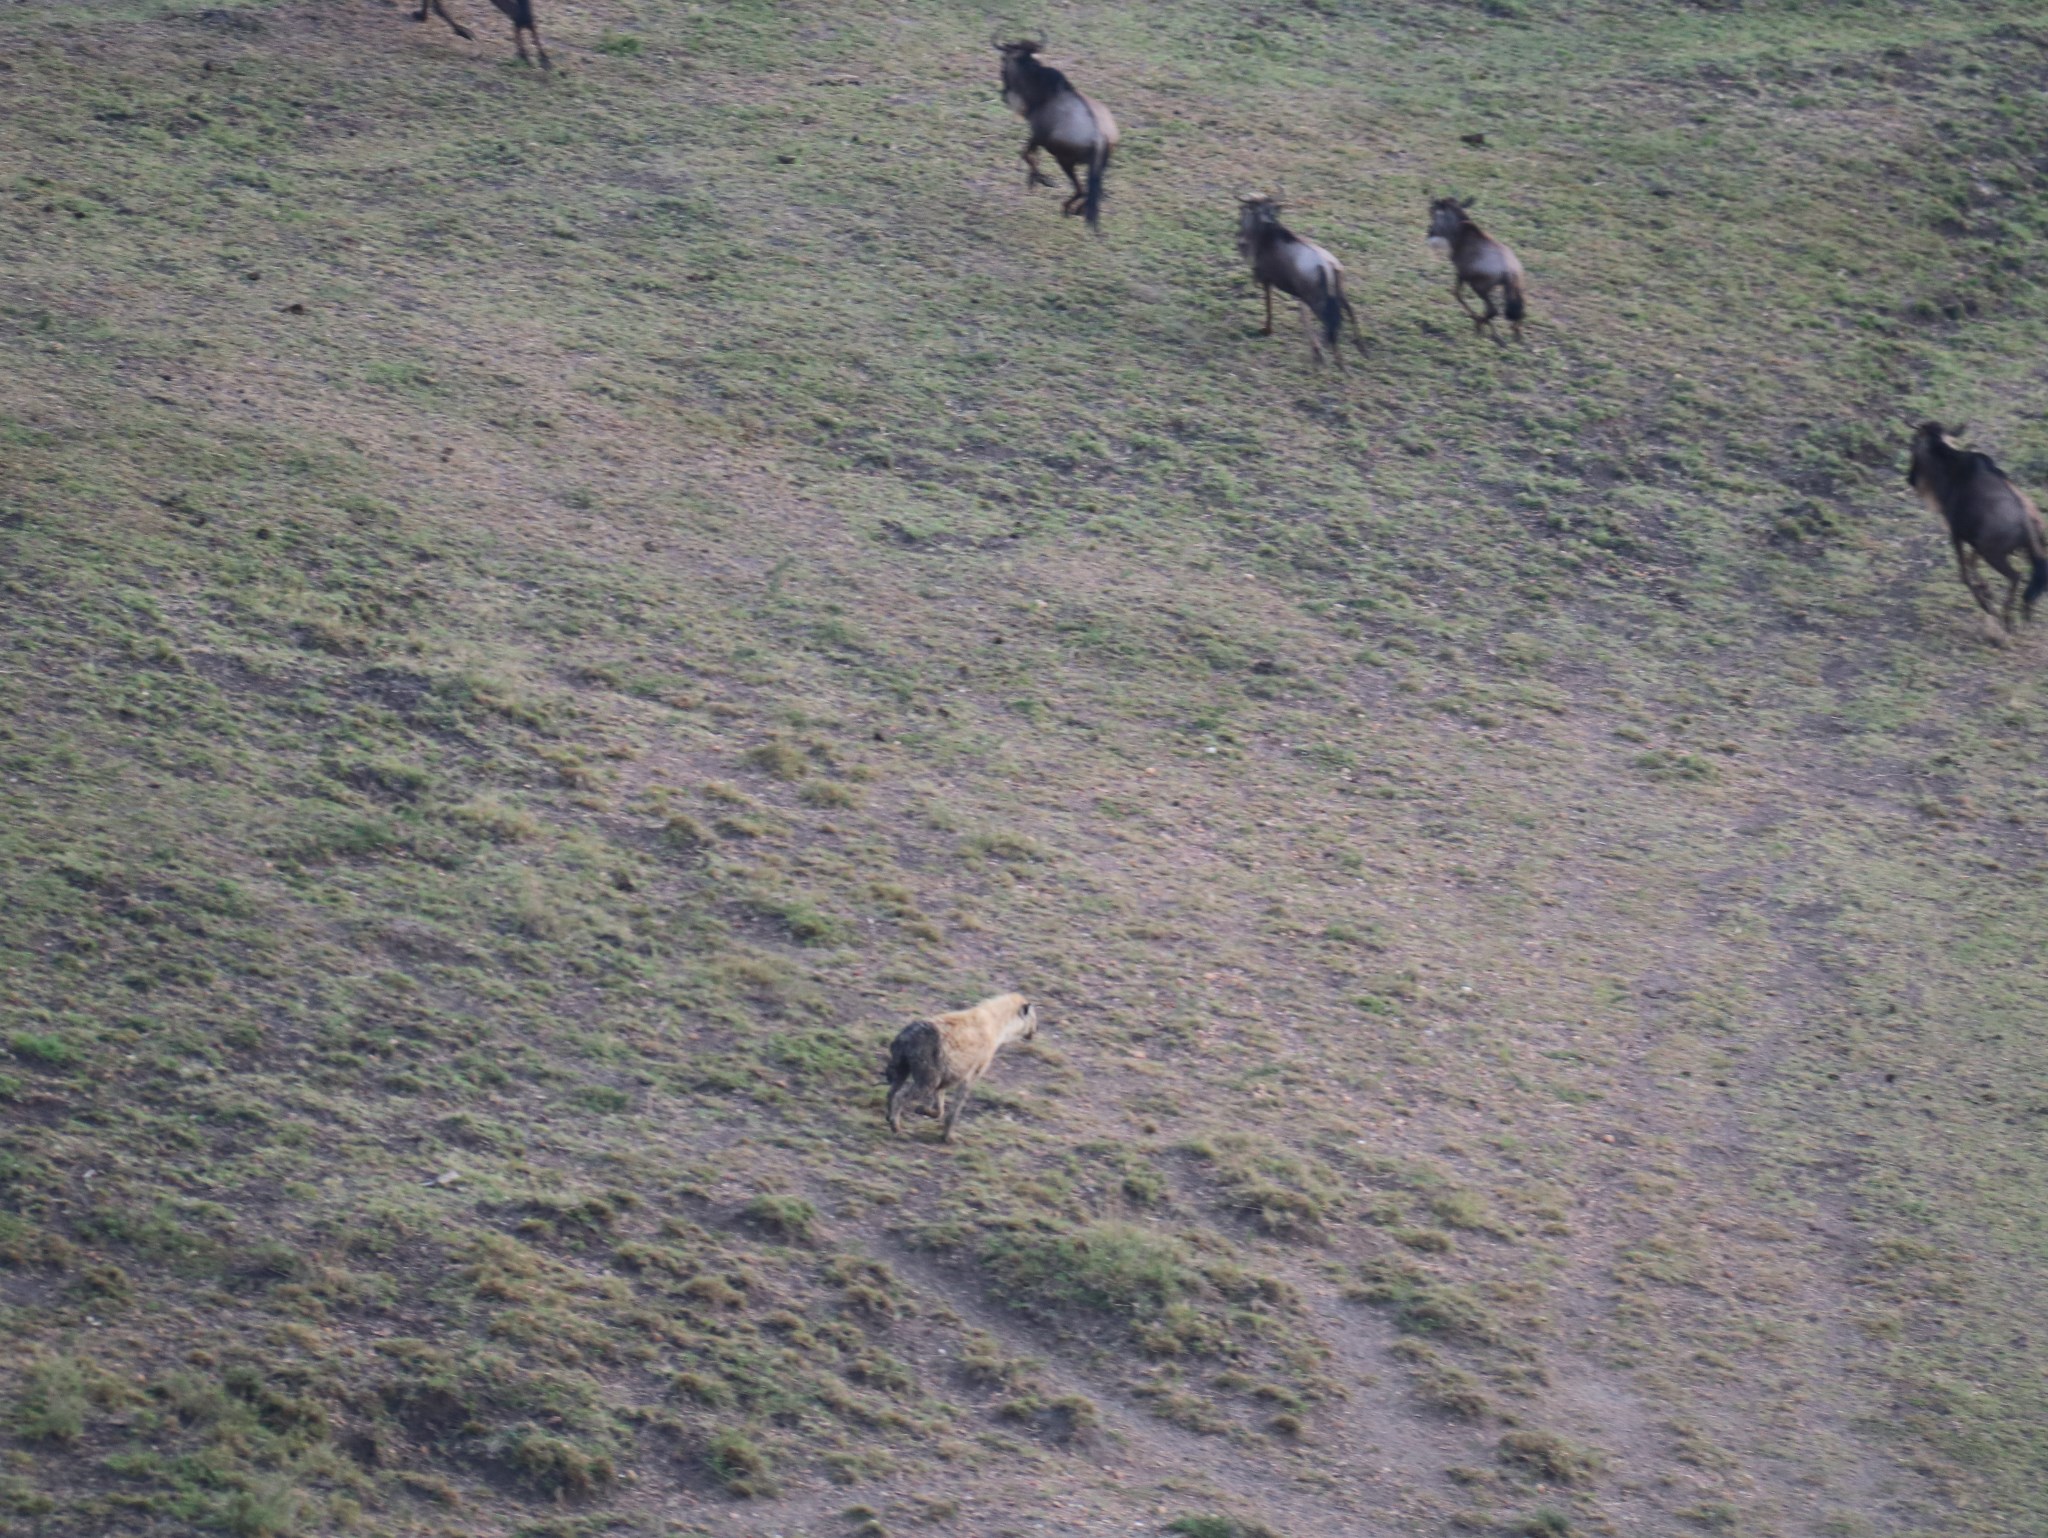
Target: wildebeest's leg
(1313,332)
(519,42)
(1458,293)
(1037,177)
(953,1113)
(2002,564)
(1966,566)
(1269,309)
(1485,323)
(1072,204)
(1357,331)
(442,11)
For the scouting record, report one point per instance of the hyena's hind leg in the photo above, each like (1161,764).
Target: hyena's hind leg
(895,1106)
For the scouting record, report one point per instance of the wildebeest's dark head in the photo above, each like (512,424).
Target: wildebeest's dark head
(1026,82)
(1446,218)
(1255,216)
(1933,445)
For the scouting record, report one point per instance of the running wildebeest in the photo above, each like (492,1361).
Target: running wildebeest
(1281,259)
(1062,120)
(1986,515)
(1481,263)
(521,12)
(952,1052)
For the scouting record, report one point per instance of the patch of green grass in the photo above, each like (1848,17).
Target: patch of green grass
(555,1466)
(828,794)
(800,918)
(1122,1268)
(1714,1516)
(740,1465)
(1218,1527)
(51,1403)
(1280,1191)
(1423,1305)
(787,1217)
(265,1508)
(1443,1386)
(44,1049)
(784,760)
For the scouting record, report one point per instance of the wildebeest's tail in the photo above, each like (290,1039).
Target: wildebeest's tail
(1331,312)
(1098,167)
(914,1055)
(1511,304)
(2039,584)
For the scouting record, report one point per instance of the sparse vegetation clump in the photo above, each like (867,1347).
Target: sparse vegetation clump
(1442,1385)
(738,1463)
(52,1403)
(786,1217)
(1424,1304)
(1281,1192)
(1549,1456)
(1219,1527)
(554,1465)
(1120,1268)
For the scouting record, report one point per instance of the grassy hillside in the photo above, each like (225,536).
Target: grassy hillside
(546,614)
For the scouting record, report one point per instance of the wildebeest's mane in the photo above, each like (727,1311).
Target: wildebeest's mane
(1036,82)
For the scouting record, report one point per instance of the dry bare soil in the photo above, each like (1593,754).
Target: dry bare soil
(545,615)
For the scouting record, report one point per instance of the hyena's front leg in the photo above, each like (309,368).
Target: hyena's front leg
(953,1113)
